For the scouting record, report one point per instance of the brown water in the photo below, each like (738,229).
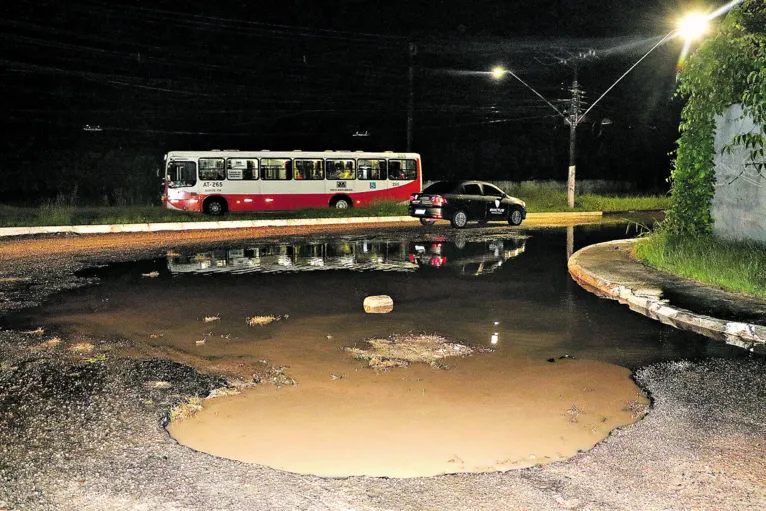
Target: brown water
(518,405)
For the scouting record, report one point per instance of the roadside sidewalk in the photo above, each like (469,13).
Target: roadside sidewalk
(563,218)
(609,270)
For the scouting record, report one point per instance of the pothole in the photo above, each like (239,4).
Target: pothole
(475,414)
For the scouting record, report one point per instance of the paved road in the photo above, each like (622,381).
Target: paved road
(86,432)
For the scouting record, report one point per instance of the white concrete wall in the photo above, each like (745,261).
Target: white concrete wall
(739,204)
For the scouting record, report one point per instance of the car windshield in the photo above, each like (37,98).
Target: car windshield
(440,187)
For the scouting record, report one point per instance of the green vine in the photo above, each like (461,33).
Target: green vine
(726,69)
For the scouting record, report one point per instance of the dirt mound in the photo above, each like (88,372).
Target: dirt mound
(401,350)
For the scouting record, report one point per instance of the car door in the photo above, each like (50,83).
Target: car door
(473,201)
(496,208)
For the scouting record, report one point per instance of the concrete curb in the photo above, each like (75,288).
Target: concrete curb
(744,335)
(183,226)
(245,224)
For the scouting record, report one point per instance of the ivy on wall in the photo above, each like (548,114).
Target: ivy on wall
(728,68)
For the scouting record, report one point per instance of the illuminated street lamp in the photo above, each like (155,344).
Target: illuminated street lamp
(498,72)
(690,28)
(693,26)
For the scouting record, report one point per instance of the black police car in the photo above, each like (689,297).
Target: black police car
(461,201)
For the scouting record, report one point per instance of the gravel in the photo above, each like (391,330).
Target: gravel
(85,430)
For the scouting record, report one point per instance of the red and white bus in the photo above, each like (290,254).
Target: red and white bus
(215,182)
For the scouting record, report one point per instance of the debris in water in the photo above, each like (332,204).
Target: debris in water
(186,409)
(637,409)
(271,374)
(151,274)
(264,320)
(39,331)
(210,319)
(574,412)
(82,347)
(401,350)
(51,343)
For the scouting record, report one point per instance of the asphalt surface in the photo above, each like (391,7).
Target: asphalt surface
(83,429)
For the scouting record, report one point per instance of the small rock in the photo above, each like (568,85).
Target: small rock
(379,304)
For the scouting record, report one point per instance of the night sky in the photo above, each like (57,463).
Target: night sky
(298,74)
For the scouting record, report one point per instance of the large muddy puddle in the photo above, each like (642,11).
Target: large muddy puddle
(549,373)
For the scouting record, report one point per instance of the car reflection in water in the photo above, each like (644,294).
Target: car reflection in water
(474,257)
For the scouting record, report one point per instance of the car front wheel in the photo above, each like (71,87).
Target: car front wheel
(459,220)
(515,217)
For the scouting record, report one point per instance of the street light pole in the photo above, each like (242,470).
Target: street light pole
(573,120)
(692,29)
(411,96)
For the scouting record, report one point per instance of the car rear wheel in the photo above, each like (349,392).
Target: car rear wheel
(515,217)
(427,221)
(459,219)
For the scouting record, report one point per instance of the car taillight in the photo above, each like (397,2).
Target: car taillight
(438,200)
(438,261)
(413,197)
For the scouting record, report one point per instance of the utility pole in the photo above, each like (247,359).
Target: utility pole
(573,120)
(413,50)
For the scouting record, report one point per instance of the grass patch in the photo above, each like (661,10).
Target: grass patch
(551,197)
(54,214)
(541,197)
(734,266)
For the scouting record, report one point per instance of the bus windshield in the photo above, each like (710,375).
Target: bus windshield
(182,174)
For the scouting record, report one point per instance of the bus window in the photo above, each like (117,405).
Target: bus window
(372,169)
(309,169)
(276,169)
(241,169)
(182,174)
(211,169)
(402,170)
(340,169)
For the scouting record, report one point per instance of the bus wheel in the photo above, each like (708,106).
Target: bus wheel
(215,207)
(340,203)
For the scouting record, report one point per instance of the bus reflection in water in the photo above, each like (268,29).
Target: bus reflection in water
(294,257)
(471,258)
